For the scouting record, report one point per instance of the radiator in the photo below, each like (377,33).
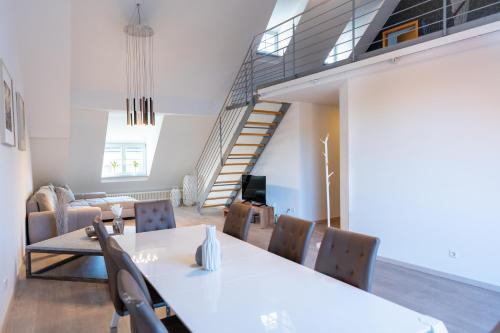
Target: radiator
(142,196)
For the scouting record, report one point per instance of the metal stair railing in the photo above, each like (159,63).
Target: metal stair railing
(328,35)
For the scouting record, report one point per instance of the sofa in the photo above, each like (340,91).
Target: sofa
(82,211)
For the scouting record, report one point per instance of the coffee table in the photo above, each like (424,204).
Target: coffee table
(75,243)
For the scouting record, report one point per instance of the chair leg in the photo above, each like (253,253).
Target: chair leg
(114,320)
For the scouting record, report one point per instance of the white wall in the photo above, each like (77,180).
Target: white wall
(45,53)
(179,146)
(424,161)
(15,167)
(293,162)
(315,122)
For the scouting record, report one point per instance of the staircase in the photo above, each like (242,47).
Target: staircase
(259,124)
(326,35)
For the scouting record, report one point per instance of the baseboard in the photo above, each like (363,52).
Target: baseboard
(449,276)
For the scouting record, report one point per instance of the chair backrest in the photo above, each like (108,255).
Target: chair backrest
(111,268)
(238,221)
(123,261)
(291,237)
(142,315)
(348,256)
(154,215)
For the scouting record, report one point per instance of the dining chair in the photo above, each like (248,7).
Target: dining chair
(142,316)
(290,238)
(123,261)
(154,215)
(348,256)
(111,270)
(238,221)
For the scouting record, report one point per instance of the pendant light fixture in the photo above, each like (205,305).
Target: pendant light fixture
(140,82)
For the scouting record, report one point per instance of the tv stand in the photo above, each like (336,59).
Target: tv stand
(263,214)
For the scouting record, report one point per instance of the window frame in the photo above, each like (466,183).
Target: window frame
(123,162)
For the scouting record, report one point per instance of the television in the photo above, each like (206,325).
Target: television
(253,188)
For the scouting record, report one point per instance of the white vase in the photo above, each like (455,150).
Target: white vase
(211,254)
(175,197)
(189,190)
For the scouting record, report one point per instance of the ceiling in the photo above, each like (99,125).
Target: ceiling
(199,46)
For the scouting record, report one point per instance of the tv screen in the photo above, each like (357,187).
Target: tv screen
(253,188)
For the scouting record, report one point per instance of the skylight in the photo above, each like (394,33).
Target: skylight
(129,151)
(343,46)
(276,39)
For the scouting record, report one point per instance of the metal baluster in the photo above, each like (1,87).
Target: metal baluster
(353,30)
(445,23)
(246,83)
(251,71)
(284,66)
(293,46)
(220,140)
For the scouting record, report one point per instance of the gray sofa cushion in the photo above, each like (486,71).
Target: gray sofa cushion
(79,203)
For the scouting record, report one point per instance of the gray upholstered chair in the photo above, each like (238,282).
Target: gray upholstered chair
(112,271)
(123,261)
(238,221)
(142,315)
(348,256)
(291,237)
(154,215)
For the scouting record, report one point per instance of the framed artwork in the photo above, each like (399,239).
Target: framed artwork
(7,111)
(400,33)
(21,122)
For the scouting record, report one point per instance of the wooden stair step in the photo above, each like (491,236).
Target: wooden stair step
(236,164)
(249,154)
(214,205)
(272,113)
(269,102)
(226,190)
(218,198)
(248,145)
(255,134)
(261,123)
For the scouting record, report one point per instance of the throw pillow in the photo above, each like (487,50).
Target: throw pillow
(46,199)
(64,195)
(70,193)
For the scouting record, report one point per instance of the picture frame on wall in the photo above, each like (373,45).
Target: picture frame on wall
(7,110)
(21,122)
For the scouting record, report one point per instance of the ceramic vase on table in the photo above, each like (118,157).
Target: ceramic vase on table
(211,253)
(175,197)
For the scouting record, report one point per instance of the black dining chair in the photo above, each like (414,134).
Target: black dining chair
(142,316)
(290,238)
(154,215)
(348,256)
(238,221)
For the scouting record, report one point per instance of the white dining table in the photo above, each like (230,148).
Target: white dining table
(257,291)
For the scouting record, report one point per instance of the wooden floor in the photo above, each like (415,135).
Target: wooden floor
(54,306)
